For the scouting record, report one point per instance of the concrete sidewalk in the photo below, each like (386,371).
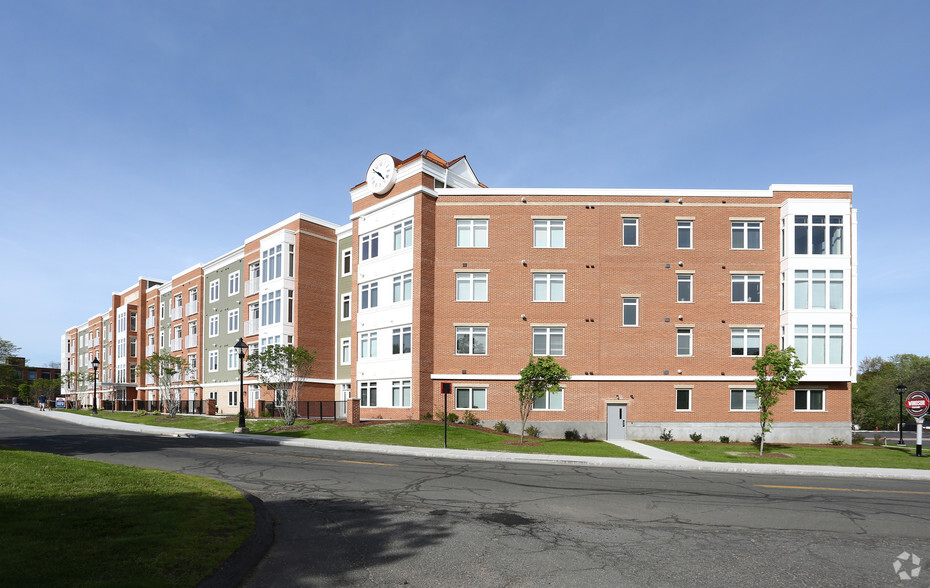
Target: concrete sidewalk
(657,459)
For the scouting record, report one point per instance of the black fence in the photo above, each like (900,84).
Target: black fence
(311,409)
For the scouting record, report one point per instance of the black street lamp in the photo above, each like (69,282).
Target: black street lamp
(242,347)
(900,389)
(96,364)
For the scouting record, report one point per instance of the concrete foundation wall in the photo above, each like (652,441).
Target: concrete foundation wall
(744,432)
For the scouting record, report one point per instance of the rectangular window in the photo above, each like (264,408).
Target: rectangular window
(290,261)
(836,289)
(233,397)
(400,393)
(403,235)
(345,351)
(132,347)
(630,232)
(548,340)
(213,360)
(232,323)
(745,235)
(233,283)
(368,345)
(271,263)
(471,340)
(471,233)
(271,308)
(346,307)
(816,346)
(369,246)
(683,342)
(548,287)
(685,287)
(368,391)
(683,399)
(801,289)
(403,287)
(214,326)
(214,290)
(290,306)
(401,340)
(471,398)
(630,312)
(548,233)
(346,262)
(746,342)
(232,359)
(685,228)
(550,401)
(744,400)
(746,288)
(471,287)
(836,235)
(369,295)
(808,400)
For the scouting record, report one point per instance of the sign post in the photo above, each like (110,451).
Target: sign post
(917,404)
(446,389)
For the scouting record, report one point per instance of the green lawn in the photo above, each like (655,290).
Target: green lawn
(785,454)
(72,522)
(412,434)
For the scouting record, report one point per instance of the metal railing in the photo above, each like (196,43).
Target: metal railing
(310,409)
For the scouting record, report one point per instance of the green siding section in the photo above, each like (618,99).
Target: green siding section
(343,328)
(221,308)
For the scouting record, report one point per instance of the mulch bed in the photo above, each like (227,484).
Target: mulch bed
(756,454)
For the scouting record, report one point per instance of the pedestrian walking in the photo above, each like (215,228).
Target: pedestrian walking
(42,400)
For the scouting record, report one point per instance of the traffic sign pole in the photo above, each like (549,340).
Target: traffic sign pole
(917,405)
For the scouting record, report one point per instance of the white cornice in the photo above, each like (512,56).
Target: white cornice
(393,200)
(289,220)
(669,378)
(590,192)
(811,188)
(235,254)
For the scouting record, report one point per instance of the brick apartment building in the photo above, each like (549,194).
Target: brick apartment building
(656,301)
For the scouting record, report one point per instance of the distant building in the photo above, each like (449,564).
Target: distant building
(656,301)
(25,373)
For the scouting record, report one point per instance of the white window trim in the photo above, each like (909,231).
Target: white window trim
(214,290)
(238,283)
(690,398)
(823,398)
(471,397)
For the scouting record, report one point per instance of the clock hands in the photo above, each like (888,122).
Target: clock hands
(379,173)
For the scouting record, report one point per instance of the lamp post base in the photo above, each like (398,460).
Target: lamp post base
(241,430)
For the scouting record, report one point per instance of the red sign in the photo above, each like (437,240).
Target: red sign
(917,403)
(446,388)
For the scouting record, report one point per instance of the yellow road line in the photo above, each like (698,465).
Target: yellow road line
(841,489)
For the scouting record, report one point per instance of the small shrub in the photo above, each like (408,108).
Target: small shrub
(667,435)
(501,427)
(469,418)
(427,416)
(141,412)
(836,441)
(879,440)
(756,440)
(572,435)
(696,437)
(858,438)
(586,438)
(532,431)
(266,413)
(724,439)
(450,417)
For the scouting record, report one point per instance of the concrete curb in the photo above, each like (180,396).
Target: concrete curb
(502,457)
(237,566)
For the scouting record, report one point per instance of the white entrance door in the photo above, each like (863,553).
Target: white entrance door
(616,421)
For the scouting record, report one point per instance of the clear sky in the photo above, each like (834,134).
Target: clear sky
(140,138)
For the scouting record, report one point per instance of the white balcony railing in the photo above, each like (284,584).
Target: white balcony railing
(191,341)
(175,344)
(149,379)
(175,313)
(149,350)
(150,322)
(251,287)
(191,308)
(251,327)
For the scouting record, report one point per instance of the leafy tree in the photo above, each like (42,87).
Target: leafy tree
(9,381)
(777,371)
(542,375)
(168,371)
(50,388)
(283,368)
(71,381)
(25,393)
(875,403)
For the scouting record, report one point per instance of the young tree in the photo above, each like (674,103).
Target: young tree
(71,381)
(283,368)
(168,371)
(777,371)
(541,376)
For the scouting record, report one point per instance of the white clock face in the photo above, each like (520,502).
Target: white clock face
(381,174)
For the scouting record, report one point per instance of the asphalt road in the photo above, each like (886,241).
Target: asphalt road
(368,519)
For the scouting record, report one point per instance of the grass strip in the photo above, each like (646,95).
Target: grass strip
(411,434)
(859,456)
(74,522)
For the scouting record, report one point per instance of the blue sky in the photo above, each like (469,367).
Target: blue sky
(140,138)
